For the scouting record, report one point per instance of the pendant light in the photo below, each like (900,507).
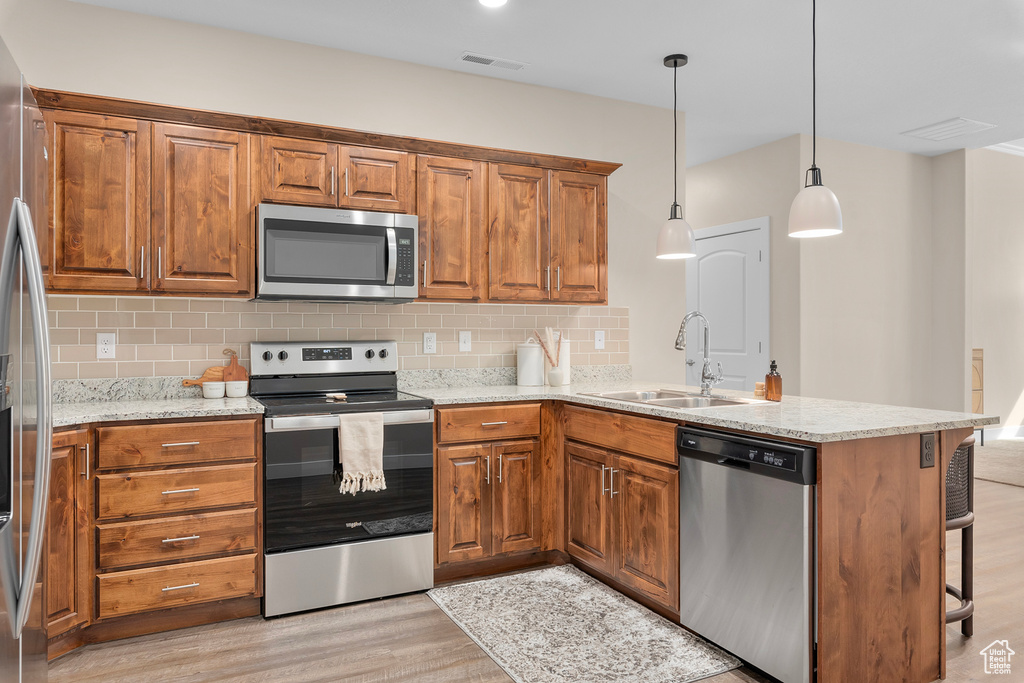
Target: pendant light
(675,239)
(815,210)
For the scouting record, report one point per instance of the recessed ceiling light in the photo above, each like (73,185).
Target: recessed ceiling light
(493,3)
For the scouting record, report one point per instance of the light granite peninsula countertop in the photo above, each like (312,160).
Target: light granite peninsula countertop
(808,419)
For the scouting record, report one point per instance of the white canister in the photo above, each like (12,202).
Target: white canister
(529,364)
(563,361)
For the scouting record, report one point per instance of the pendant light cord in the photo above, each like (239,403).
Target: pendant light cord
(675,137)
(814,85)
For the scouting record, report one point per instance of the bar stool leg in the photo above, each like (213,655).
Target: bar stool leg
(967,576)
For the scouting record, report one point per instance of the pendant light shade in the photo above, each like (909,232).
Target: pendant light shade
(675,239)
(815,211)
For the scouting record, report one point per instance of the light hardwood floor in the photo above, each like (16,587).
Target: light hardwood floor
(410,639)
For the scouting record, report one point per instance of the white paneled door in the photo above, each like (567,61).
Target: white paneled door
(729,283)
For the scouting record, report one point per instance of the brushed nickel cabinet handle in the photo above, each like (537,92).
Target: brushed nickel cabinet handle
(558,278)
(168,493)
(603,489)
(492,424)
(194,537)
(180,443)
(178,588)
(87,474)
(547,269)
(332,181)
(159,262)
(499,468)
(142,263)
(346,182)
(488,478)
(424,273)
(611,482)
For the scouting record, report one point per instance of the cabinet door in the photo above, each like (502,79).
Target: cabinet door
(451,194)
(298,171)
(516,516)
(377,179)
(647,528)
(579,237)
(68,565)
(100,219)
(202,219)
(589,508)
(463,503)
(518,263)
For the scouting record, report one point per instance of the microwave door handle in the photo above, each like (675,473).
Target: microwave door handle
(392,256)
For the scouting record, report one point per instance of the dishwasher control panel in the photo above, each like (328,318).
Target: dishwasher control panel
(780,460)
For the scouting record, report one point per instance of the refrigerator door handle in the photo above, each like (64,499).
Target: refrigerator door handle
(44,422)
(8,556)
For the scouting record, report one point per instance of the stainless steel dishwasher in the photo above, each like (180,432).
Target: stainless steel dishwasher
(746,548)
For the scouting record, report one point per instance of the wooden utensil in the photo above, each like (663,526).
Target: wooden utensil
(214,374)
(235,372)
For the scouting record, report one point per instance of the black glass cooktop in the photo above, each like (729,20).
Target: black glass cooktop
(319,404)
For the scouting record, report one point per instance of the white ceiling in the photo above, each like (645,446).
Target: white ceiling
(884,66)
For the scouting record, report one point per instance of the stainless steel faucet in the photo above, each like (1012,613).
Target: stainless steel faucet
(708,379)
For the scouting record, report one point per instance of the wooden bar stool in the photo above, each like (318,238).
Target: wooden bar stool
(960,515)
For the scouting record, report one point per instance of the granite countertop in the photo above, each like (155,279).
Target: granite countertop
(808,419)
(84,412)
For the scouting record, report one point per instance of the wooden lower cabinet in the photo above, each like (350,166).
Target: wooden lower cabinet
(68,565)
(488,500)
(623,520)
(170,520)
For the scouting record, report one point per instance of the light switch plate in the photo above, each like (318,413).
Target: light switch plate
(598,339)
(429,342)
(465,340)
(105,342)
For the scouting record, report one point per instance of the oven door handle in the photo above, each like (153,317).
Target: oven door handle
(392,256)
(303,423)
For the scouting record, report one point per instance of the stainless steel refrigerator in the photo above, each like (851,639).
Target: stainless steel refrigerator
(25,417)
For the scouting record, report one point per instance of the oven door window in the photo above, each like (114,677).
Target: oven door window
(302,505)
(324,253)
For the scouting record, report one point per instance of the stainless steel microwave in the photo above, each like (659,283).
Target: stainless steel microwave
(335,254)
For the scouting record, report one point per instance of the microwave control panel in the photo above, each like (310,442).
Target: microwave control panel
(405,273)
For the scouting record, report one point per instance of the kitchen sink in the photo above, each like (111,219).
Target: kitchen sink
(673,399)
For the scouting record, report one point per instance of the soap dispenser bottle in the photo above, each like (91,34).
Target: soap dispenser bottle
(773,384)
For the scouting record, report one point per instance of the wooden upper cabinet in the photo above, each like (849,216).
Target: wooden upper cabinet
(202,218)
(100,220)
(297,171)
(376,179)
(519,263)
(579,237)
(68,556)
(451,197)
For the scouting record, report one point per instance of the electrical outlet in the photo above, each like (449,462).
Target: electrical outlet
(429,342)
(928,450)
(465,340)
(598,339)
(105,342)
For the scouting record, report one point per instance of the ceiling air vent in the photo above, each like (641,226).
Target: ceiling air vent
(944,130)
(496,62)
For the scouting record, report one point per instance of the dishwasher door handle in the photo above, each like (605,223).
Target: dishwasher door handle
(738,464)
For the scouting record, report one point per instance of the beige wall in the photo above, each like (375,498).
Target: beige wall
(759,182)
(996,209)
(861,314)
(76,47)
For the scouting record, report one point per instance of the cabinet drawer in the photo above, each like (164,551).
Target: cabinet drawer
(141,590)
(175,443)
(651,439)
(488,423)
(181,490)
(175,538)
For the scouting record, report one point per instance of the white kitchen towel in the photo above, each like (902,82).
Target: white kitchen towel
(361,452)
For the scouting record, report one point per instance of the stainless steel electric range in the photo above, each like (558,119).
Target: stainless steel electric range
(322,547)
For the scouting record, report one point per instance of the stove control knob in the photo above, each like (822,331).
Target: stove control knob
(383,353)
(369,354)
(268,356)
(283,355)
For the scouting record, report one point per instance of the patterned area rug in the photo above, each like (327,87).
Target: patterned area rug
(558,624)
(1000,460)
